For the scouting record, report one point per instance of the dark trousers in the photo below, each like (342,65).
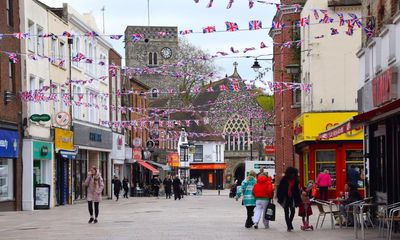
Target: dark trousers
(168,194)
(156,191)
(323,193)
(126,190)
(96,208)
(289,215)
(250,213)
(116,194)
(177,194)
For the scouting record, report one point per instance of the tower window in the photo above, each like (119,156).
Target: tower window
(150,58)
(155,58)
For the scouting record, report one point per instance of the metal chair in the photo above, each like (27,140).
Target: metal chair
(322,205)
(383,216)
(349,208)
(394,216)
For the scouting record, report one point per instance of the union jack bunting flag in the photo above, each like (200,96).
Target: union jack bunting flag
(196,90)
(315,11)
(185,32)
(251,3)
(235,87)
(161,34)
(341,19)
(12,56)
(334,31)
(78,57)
(67,34)
(231,26)
(234,51)
(229,4)
(33,57)
(209,29)
(222,53)
(222,88)
(325,19)
(278,25)
(187,123)
(296,7)
(298,44)
(88,60)
(262,45)
(210,89)
(196,1)
(287,44)
(21,35)
(136,37)
(304,21)
(255,25)
(91,34)
(116,37)
(278,7)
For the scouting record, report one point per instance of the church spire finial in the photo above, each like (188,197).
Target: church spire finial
(235,71)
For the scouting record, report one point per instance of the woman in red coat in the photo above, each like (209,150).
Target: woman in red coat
(263,192)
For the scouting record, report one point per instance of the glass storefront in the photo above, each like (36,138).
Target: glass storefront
(6,179)
(80,173)
(355,158)
(326,159)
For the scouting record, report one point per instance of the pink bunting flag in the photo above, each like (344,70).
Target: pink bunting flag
(222,88)
(222,53)
(230,2)
(251,3)
(249,49)
(262,45)
(234,51)
(209,5)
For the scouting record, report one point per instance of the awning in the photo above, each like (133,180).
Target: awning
(159,165)
(148,166)
(340,129)
(367,116)
(208,166)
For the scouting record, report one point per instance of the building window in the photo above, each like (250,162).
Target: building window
(6,179)
(326,159)
(32,88)
(154,58)
(90,52)
(198,153)
(154,93)
(40,41)
(9,13)
(11,76)
(150,58)
(217,152)
(355,158)
(41,103)
(237,132)
(31,30)
(61,50)
(64,105)
(53,49)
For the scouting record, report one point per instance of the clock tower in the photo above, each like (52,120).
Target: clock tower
(154,46)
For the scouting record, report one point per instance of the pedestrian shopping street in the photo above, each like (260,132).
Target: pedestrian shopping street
(196,217)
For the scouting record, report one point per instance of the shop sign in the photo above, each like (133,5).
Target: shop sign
(218,166)
(268,150)
(137,154)
(42,150)
(384,87)
(173,159)
(118,148)
(40,117)
(92,137)
(62,119)
(63,139)
(9,144)
(312,124)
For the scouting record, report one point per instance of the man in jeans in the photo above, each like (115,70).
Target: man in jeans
(263,191)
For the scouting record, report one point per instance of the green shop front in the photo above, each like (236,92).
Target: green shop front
(38,172)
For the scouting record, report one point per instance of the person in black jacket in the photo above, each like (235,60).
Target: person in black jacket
(125,186)
(289,195)
(177,187)
(117,186)
(155,184)
(168,186)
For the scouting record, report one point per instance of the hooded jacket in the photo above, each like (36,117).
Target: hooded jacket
(95,186)
(263,189)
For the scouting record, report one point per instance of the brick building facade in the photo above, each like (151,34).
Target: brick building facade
(287,103)
(10,111)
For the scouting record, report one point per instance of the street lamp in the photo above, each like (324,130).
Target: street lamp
(256,66)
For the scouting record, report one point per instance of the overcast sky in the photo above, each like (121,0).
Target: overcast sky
(188,15)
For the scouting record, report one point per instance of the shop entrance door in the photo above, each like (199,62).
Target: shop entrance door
(62,181)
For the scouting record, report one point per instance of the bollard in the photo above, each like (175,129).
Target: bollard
(219,190)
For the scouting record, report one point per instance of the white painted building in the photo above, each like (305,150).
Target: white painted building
(329,63)
(37,156)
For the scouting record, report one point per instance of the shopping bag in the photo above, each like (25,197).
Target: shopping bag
(270,212)
(314,191)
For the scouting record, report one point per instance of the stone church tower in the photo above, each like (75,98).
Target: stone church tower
(156,47)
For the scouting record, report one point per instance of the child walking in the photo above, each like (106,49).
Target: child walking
(305,211)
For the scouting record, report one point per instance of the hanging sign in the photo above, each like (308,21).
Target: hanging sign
(40,117)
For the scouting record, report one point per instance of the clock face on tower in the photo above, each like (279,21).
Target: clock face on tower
(166,52)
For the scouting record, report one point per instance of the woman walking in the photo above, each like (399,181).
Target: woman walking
(324,181)
(263,191)
(95,185)
(177,186)
(125,186)
(248,199)
(289,195)
(168,187)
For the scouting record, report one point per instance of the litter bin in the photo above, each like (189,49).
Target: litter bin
(41,196)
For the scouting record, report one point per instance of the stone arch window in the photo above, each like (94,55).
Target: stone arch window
(237,134)
(154,93)
(155,58)
(150,58)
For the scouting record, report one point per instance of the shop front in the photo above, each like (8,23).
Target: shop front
(173,162)
(95,147)
(211,174)
(9,152)
(38,169)
(118,155)
(337,155)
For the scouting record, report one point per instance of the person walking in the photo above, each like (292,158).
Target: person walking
(263,191)
(324,181)
(94,183)
(248,199)
(289,195)
(125,186)
(168,186)
(353,176)
(117,187)
(155,185)
(177,187)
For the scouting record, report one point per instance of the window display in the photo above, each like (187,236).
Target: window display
(6,180)
(355,158)
(326,159)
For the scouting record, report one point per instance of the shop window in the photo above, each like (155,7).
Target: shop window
(198,155)
(6,179)
(9,13)
(326,159)
(354,158)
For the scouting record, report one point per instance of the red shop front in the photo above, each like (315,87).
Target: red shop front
(336,154)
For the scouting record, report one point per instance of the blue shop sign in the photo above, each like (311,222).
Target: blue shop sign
(9,141)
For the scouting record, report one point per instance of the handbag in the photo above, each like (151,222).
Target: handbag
(270,211)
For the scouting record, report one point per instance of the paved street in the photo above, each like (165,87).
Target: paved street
(205,217)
